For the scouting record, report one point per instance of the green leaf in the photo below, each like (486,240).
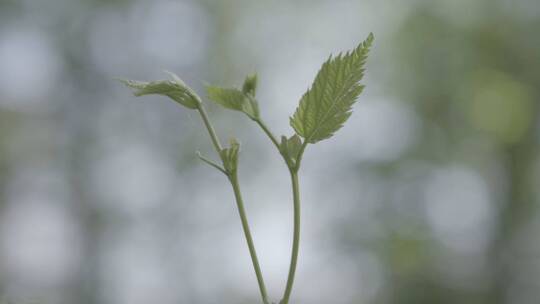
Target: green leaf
(326,106)
(250,85)
(175,89)
(234,99)
(229,156)
(290,148)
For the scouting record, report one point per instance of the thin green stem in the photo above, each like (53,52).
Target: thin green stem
(210,128)
(268,132)
(296,238)
(241,210)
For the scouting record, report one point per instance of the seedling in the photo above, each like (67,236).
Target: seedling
(322,111)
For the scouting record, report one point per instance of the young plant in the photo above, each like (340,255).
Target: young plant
(322,111)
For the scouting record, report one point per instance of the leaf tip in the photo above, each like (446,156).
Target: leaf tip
(124,81)
(250,84)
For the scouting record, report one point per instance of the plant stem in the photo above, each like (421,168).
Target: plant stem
(296,237)
(233,178)
(241,210)
(268,132)
(210,129)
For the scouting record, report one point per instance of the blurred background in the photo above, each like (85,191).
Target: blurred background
(429,194)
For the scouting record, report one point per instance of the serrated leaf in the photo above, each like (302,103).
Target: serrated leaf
(229,156)
(326,106)
(234,99)
(290,148)
(175,89)
(250,85)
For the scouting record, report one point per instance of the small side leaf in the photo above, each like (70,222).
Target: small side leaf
(210,162)
(175,89)
(229,156)
(234,99)
(290,148)
(326,106)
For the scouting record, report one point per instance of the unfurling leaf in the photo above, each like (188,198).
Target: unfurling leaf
(290,148)
(234,99)
(229,156)
(326,106)
(250,85)
(175,89)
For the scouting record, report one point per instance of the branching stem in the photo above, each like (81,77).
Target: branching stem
(293,170)
(233,178)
